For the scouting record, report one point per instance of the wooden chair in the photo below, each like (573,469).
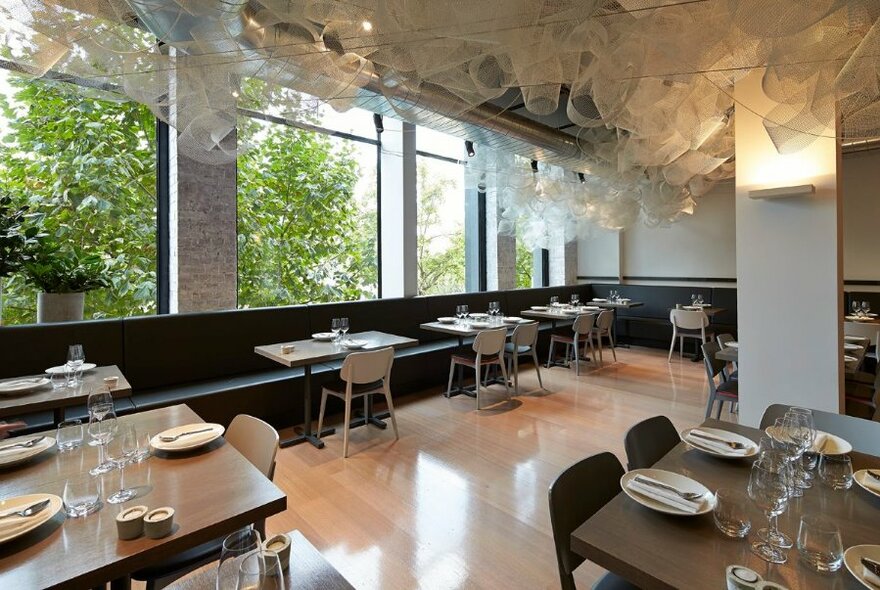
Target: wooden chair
(602,329)
(362,374)
(582,333)
(723,391)
(488,350)
(578,493)
(863,435)
(648,441)
(688,324)
(523,341)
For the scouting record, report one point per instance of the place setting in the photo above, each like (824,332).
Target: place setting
(20,515)
(668,492)
(187,437)
(14,451)
(719,443)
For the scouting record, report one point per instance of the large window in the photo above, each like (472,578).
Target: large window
(441,213)
(86,167)
(307,220)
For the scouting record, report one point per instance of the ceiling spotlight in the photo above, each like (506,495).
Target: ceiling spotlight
(534,166)
(235,93)
(582,178)
(469,148)
(377,121)
(367,26)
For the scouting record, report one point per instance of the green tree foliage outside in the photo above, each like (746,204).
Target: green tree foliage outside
(441,256)
(524,259)
(88,168)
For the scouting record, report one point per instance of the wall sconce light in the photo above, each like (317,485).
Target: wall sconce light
(783,192)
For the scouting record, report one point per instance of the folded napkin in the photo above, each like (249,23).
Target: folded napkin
(870,576)
(871,483)
(664,497)
(718,447)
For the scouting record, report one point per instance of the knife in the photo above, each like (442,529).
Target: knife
(732,444)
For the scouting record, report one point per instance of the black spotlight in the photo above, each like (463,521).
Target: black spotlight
(377,121)
(582,178)
(469,148)
(534,165)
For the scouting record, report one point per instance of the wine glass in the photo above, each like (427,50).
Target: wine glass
(459,315)
(810,458)
(768,489)
(335,326)
(799,432)
(465,312)
(102,430)
(575,299)
(75,359)
(120,450)
(554,301)
(866,307)
(100,402)
(343,327)
(235,547)
(693,298)
(261,570)
(856,308)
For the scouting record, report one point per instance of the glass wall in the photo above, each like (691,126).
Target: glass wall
(86,168)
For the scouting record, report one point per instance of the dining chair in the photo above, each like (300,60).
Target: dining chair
(688,324)
(362,374)
(863,435)
(602,329)
(582,333)
(723,391)
(488,350)
(576,494)
(523,341)
(722,340)
(258,442)
(871,331)
(648,441)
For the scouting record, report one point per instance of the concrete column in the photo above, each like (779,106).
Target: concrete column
(789,269)
(399,210)
(500,249)
(563,261)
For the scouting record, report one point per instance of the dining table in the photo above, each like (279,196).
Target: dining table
(59,399)
(659,551)
(309,352)
(86,552)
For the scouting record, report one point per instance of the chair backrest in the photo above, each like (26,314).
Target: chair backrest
(525,334)
(490,341)
(723,339)
(866,330)
(648,441)
(688,319)
(583,323)
(366,367)
(256,440)
(578,493)
(605,319)
(713,365)
(863,435)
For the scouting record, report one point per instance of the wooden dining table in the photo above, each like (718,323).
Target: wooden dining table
(214,491)
(658,551)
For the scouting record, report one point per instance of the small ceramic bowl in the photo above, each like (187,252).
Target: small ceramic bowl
(111,382)
(130,522)
(279,544)
(158,522)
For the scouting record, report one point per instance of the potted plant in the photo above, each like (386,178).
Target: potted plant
(18,241)
(63,275)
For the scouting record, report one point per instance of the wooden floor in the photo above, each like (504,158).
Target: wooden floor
(460,501)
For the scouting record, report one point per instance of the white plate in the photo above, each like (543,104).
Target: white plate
(19,455)
(852,557)
(851,346)
(571,310)
(850,359)
(732,344)
(599,300)
(323,336)
(187,443)
(539,308)
(512,319)
(10,530)
(14,386)
(691,307)
(854,338)
(591,308)
(857,318)
(835,445)
(61,369)
(685,484)
(861,475)
(354,344)
(479,325)
(447,320)
(751,448)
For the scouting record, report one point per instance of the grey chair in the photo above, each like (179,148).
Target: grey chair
(523,342)
(863,435)
(648,441)
(722,340)
(582,334)
(576,494)
(723,391)
(602,329)
(488,350)
(688,324)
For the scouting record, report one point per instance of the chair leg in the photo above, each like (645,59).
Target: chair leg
(321,414)
(550,355)
(506,383)
(568,354)
(681,347)
(347,427)
(477,385)
(671,349)
(720,407)
(611,341)
(710,404)
(390,405)
(577,360)
(451,375)
(537,367)
(601,359)
(516,373)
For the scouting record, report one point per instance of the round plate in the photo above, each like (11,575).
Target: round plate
(599,300)
(323,336)
(751,450)
(861,476)
(685,484)
(512,319)
(479,325)
(354,343)
(834,446)
(852,557)
(20,455)
(447,320)
(61,369)
(14,526)
(539,308)
(854,338)
(16,386)
(187,443)
(851,346)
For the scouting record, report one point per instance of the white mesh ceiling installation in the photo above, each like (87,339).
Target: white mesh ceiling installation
(645,85)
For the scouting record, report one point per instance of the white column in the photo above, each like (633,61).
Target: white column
(789,267)
(399,210)
(563,260)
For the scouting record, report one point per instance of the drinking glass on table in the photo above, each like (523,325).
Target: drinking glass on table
(75,359)
(465,312)
(575,299)
(343,327)
(235,547)
(120,450)
(554,301)
(810,459)
(769,490)
(335,326)
(102,429)
(866,307)
(81,495)
(785,440)
(856,308)
(69,435)
(800,433)
(819,543)
(836,471)
(142,450)
(99,403)
(731,513)
(261,570)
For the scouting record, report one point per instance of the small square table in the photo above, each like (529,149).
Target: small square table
(311,352)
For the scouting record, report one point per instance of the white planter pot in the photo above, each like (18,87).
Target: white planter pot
(60,307)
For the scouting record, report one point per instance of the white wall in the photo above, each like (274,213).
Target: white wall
(861,217)
(599,254)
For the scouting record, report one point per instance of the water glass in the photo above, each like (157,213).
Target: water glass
(58,380)
(731,513)
(142,447)
(554,300)
(69,435)
(261,570)
(836,471)
(235,547)
(819,543)
(82,495)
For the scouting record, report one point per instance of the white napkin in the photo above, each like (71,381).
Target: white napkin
(663,496)
(870,576)
(718,447)
(871,483)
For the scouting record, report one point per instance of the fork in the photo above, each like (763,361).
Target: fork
(691,496)
(29,511)
(169,438)
(25,445)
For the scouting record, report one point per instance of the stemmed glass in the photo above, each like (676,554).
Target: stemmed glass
(799,432)
(693,299)
(805,419)
(343,327)
(554,301)
(102,429)
(75,359)
(856,309)
(99,403)
(866,307)
(769,490)
(335,326)
(575,299)
(121,449)
(459,315)
(465,312)
(235,547)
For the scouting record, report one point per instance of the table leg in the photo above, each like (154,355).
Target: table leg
(368,417)
(307,434)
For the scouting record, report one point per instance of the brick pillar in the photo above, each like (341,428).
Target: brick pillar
(563,261)
(500,249)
